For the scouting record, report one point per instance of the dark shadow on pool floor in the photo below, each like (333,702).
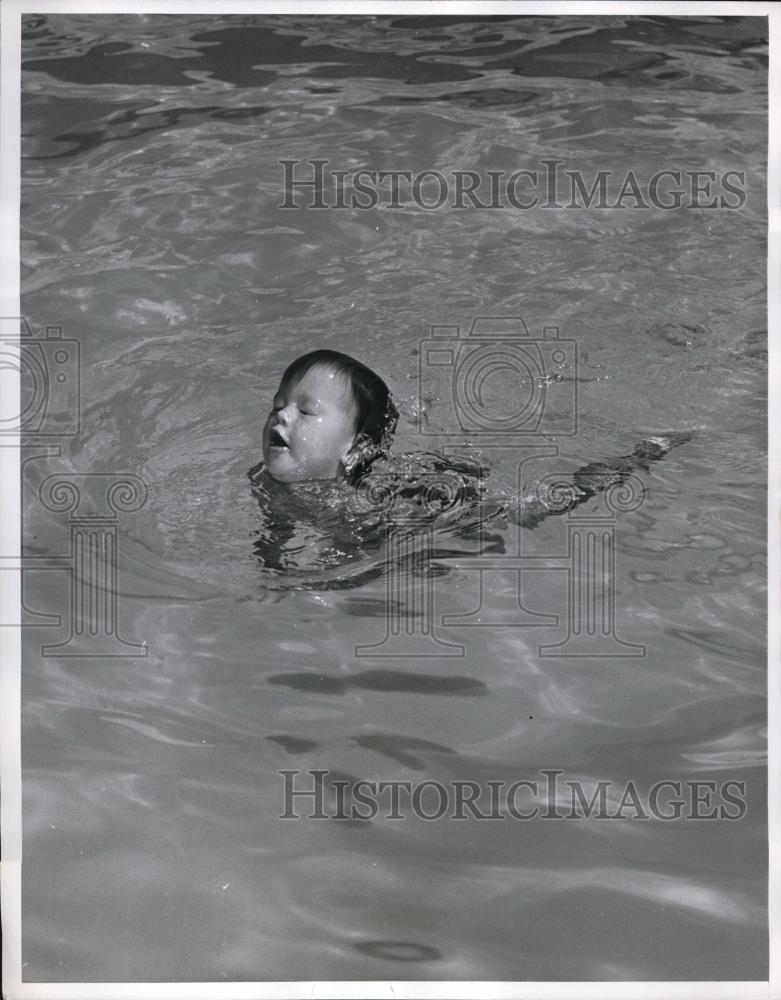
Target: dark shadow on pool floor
(396,681)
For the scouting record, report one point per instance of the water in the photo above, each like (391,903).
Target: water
(151,233)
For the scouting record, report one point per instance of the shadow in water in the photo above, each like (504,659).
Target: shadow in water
(397,682)
(293,744)
(397,747)
(398,951)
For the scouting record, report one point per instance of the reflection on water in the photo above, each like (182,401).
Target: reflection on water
(151,232)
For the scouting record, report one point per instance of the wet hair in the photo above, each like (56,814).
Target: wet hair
(376,416)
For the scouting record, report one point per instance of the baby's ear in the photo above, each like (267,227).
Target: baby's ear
(362,450)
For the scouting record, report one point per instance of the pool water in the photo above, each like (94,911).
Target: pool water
(151,234)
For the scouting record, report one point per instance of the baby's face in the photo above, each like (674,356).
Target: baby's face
(311,428)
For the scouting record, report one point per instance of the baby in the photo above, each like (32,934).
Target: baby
(330,419)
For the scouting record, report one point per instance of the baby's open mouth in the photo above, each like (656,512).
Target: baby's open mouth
(276,440)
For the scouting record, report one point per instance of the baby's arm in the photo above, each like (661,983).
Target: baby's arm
(591,479)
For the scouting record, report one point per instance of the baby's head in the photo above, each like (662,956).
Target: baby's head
(331,417)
